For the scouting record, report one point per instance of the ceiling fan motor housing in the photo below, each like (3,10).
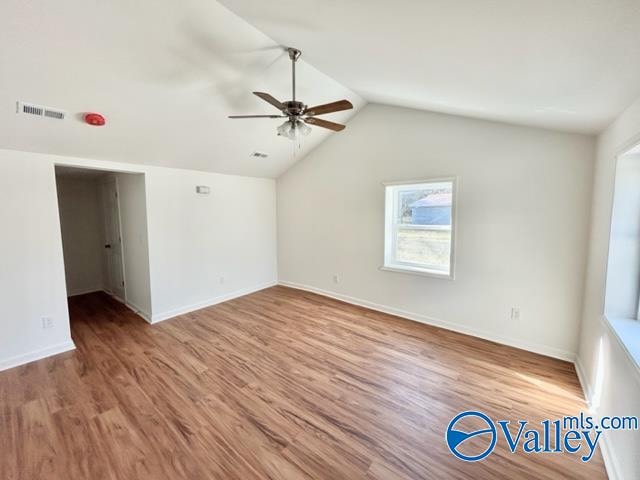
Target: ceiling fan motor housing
(293,109)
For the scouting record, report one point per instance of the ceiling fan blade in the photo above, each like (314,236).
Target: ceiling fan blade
(269,99)
(336,127)
(256,116)
(329,108)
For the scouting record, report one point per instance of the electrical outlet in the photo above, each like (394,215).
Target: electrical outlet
(221,280)
(336,278)
(515,314)
(47,322)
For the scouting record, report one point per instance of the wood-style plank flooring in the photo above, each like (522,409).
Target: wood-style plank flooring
(280,384)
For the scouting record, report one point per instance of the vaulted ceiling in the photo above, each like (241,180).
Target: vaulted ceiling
(164,73)
(563,64)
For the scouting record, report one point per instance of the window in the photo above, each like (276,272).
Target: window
(621,306)
(419,227)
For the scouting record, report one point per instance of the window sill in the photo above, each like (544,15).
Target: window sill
(627,332)
(423,272)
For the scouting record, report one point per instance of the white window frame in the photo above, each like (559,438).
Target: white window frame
(391,228)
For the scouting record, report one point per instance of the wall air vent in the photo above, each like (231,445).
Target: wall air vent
(40,111)
(259,154)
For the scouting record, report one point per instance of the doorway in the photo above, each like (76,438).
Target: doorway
(104,235)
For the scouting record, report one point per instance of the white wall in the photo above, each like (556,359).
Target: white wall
(32,283)
(80,218)
(135,241)
(523,211)
(607,372)
(192,241)
(206,248)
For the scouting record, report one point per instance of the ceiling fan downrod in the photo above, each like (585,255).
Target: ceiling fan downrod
(294,55)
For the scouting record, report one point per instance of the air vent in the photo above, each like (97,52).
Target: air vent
(259,154)
(40,111)
(57,114)
(32,110)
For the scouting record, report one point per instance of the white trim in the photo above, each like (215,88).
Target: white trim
(36,355)
(423,272)
(419,181)
(633,361)
(131,306)
(84,291)
(208,303)
(610,462)
(121,239)
(416,317)
(606,448)
(391,228)
(115,297)
(138,311)
(584,383)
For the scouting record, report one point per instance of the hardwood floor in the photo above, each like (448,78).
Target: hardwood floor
(280,384)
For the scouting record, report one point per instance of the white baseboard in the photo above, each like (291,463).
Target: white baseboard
(416,317)
(610,462)
(208,303)
(137,310)
(85,291)
(584,382)
(36,355)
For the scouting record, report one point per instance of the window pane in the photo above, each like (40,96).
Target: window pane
(423,220)
(430,248)
(430,205)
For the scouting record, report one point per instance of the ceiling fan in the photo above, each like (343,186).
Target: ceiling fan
(299,116)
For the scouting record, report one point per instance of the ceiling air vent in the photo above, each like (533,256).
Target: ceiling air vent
(40,111)
(259,154)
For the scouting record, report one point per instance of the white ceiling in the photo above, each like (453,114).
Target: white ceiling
(165,74)
(563,64)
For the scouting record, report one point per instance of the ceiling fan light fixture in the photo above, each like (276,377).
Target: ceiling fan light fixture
(294,132)
(284,129)
(304,128)
(293,129)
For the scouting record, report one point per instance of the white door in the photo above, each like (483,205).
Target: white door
(113,240)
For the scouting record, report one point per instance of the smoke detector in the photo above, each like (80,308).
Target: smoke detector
(24,108)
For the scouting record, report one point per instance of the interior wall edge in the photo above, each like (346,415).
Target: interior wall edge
(545,350)
(29,357)
(169,314)
(606,447)
(138,311)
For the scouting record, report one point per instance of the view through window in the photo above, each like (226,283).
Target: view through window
(419,227)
